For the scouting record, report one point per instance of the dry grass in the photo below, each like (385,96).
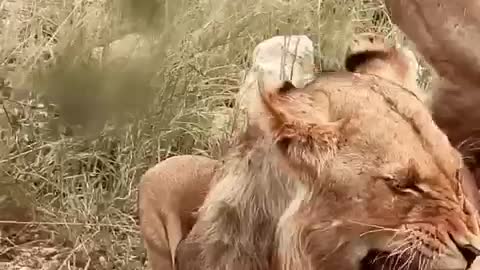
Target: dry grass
(78,160)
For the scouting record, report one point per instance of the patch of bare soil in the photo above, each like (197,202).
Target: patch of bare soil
(26,244)
(30,248)
(37,247)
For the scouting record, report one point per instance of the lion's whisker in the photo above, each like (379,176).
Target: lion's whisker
(377,231)
(427,263)
(370,225)
(404,242)
(413,253)
(420,261)
(470,141)
(401,255)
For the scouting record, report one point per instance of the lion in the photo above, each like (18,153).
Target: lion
(154,187)
(349,166)
(169,194)
(369,53)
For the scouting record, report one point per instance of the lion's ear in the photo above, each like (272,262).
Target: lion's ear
(364,49)
(299,126)
(274,98)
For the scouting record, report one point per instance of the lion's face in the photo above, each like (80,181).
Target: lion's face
(410,210)
(384,184)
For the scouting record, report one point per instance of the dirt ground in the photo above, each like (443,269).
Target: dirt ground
(32,248)
(28,244)
(37,247)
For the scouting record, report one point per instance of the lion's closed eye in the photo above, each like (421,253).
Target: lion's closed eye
(398,185)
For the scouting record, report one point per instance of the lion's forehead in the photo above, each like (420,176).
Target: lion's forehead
(348,164)
(356,179)
(381,161)
(385,120)
(388,128)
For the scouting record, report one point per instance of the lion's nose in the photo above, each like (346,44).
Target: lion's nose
(469,252)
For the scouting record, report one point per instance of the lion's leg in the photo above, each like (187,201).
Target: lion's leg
(154,235)
(169,194)
(175,231)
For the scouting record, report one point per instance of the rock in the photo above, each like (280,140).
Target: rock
(274,60)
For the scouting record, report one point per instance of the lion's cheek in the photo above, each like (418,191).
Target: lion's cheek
(384,208)
(327,243)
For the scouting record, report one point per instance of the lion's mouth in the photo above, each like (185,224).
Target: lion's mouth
(382,260)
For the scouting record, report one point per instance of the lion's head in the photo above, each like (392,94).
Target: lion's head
(450,106)
(384,179)
(347,168)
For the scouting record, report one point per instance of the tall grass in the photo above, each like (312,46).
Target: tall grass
(78,147)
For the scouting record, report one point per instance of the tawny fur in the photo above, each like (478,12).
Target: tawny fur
(452,107)
(446,33)
(351,163)
(169,195)
(456,111)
